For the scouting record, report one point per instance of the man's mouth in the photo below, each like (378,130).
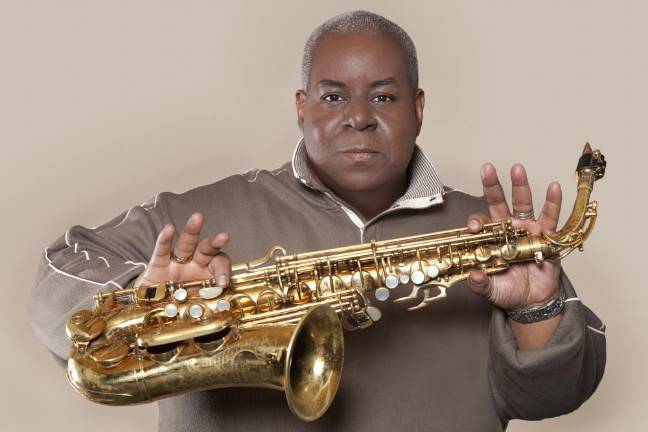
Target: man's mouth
(359,150)
(360,154)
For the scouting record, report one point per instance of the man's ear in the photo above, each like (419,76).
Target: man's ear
(300,102)
(419,104)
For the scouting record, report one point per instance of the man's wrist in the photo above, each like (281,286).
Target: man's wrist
(541,312)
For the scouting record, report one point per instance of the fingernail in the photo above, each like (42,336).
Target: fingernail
(473,225)
(222,280)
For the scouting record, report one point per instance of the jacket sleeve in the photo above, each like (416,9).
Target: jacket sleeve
(534,384)
(85,261)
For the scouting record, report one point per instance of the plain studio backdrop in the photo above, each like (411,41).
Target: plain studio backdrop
(104,104)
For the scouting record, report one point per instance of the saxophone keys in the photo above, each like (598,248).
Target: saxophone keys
(427,299)
(171,310)
(374,313)
(151,293)
(180,295)
(412,295)
(433,271)
(417,277)
(209,293)
(391,281)
(423,303)
(483,253)
(381,294)
(509,252)
(362,281)
(223,305)
(110,355)
(196,311)
(84,327)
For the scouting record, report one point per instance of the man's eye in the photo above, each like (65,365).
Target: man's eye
(332,98)
(383,98)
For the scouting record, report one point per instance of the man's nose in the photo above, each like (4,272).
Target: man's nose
(359,116)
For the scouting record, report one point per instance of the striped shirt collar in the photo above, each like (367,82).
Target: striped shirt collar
(424,189)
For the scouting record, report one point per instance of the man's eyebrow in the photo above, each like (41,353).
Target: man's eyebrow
(382,82)
(331,83)
(335,83)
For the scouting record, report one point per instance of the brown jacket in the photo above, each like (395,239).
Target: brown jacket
(452,366)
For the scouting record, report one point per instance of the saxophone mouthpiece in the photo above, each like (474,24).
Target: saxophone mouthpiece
(591,160)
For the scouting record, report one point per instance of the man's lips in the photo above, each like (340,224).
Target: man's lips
(360,154)
(359,150)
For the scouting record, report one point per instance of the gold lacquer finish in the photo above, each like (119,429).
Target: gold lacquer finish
(279,322)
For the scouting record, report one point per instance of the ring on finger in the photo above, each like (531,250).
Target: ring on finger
(523,215)
(181,260)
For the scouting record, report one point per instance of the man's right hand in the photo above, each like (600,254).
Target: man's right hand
(206,261)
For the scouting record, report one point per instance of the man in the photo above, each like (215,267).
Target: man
(356,175)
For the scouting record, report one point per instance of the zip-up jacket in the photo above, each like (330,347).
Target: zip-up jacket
(453,366)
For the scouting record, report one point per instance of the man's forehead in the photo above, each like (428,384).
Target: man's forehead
(374,57)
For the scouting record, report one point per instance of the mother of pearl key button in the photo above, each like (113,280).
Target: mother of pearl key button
(171,310)
(433,271)
(391,281)
(195,311)
(210,292)
(180,294)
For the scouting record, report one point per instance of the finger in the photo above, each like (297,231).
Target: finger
(220,267)
(209,247)
(550,213)
(476,222)
(480,283)
(188,239)
(494,193)
(522,200)
(162,250)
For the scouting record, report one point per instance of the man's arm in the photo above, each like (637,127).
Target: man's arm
(532,384)
(84,261)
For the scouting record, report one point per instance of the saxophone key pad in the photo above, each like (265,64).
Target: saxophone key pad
(374,313)
(195,311)
(433,271)
(382,294)
(210,292)
(171,310)
(404,279)
(418,277)
(222,305)
(180,294)
(391,281)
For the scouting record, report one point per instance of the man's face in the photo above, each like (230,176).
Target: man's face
(360,115)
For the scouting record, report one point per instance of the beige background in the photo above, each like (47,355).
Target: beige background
(103,104)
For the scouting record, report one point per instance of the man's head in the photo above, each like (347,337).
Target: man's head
(360,108)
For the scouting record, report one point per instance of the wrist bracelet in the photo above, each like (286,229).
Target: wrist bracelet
(550,309)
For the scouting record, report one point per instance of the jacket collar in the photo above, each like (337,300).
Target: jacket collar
(424,189)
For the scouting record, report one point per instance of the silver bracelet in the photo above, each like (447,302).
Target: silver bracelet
(550,309)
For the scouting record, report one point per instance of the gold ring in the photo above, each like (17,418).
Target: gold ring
(181,260)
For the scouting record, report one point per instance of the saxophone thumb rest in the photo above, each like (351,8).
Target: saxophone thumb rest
(279,323)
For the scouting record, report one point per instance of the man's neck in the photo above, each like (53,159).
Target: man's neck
(371,203)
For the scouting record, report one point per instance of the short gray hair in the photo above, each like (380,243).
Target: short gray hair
(361,21)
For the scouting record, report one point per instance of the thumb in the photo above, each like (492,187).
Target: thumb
(480,283)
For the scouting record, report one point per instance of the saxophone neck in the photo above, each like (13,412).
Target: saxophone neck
(590,168)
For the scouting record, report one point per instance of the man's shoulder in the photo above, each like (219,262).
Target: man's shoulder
(247,185)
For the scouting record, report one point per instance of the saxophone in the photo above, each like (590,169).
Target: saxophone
(279,323)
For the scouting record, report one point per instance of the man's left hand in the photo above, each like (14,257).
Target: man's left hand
(522,285)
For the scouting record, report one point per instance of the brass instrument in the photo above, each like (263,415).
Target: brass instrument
(279,325)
